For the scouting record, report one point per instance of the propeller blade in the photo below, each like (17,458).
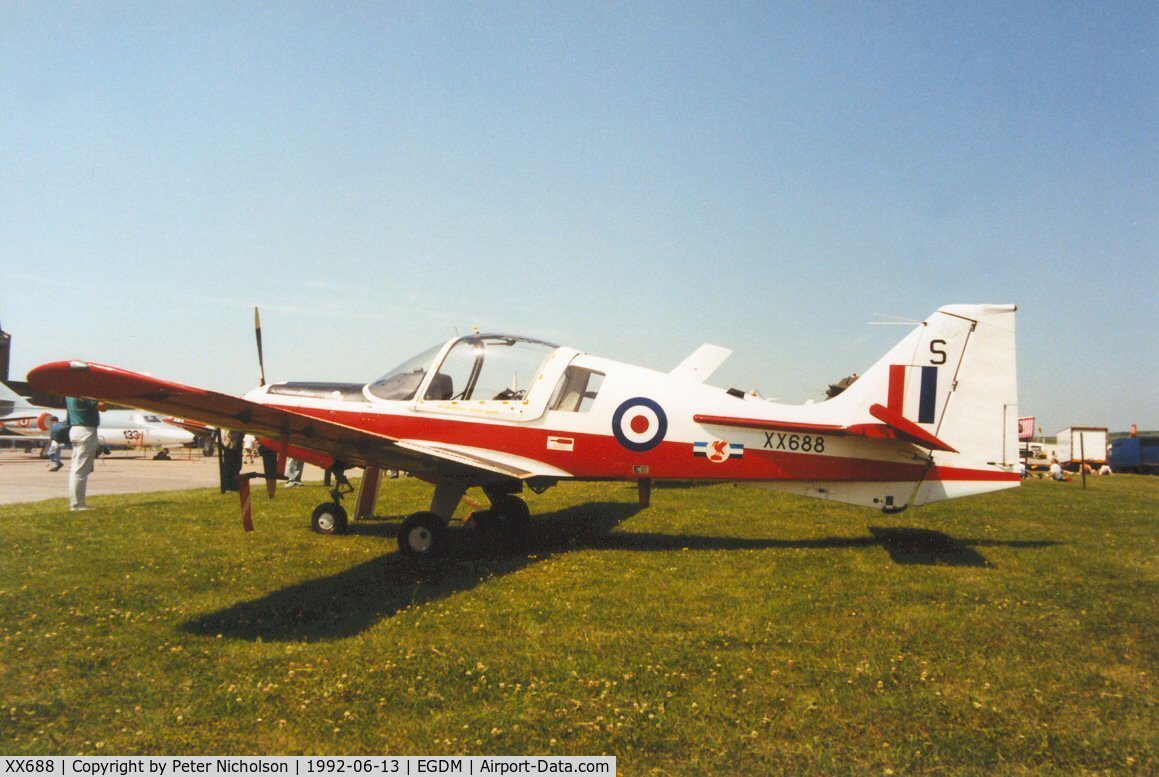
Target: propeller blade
(258,333)
(243,491)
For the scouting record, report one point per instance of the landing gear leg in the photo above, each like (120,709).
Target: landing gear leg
(330,517)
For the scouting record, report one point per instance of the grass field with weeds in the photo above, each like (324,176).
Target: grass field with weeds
(723,630)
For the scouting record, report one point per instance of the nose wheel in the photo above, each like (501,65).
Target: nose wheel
(329,518)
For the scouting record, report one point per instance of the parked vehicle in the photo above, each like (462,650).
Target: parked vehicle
(1037,456)
(1079,444)
(1135,454)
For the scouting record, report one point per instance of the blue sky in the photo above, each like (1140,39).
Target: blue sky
(629,178)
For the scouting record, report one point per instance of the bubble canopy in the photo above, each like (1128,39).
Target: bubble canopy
(475,367)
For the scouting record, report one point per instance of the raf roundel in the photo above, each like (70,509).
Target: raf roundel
(639,424)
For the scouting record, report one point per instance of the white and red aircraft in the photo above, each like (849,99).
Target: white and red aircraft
(936,418)
(19,416)
(134,430)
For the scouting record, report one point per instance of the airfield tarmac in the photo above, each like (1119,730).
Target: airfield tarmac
(27,478)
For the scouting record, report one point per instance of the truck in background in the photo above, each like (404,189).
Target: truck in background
(1135,454)
(1037,456)
(1078,444)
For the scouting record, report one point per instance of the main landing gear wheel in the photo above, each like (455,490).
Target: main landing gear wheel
(329,518)
(508,519)
(422,534)
(486,523)
(516,514)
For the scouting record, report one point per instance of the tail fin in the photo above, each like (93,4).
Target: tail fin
(953,381)
(955,377)
(9,394)
(10,400)
(19,415)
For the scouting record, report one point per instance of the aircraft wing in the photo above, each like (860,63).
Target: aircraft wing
(189,425)
(518,467)
(893,426)
(350,445)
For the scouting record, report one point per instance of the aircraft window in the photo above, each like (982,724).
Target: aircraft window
(489,368)
(152,419)
(402,383)
(576,390)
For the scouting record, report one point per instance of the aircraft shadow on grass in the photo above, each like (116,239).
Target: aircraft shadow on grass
(904,545)
(355,599)
(351,601)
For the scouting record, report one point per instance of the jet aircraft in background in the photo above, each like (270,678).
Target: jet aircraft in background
(935,418)
(137,430)
(19,416)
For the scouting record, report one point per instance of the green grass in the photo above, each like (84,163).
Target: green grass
(723,630)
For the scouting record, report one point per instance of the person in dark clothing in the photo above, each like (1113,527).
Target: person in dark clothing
(85,417)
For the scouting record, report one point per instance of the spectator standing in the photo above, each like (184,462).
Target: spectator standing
(85,417)
(293,472)
(54,442)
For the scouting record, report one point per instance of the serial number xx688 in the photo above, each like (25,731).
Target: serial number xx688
(29,766)
(805,443)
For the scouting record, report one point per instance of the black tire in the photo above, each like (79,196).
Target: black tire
(329,518)
(516,515)
(487,524)
(422,534)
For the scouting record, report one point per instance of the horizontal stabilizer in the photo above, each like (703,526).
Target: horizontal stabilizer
(767,425)
(893,426)
(907,429)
